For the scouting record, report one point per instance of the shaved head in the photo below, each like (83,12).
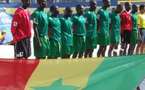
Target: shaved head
(26,3)
(106,3)
(93,5)
(42,3)
(39,1)
(127,6)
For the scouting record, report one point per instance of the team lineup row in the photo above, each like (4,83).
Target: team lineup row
(79,34)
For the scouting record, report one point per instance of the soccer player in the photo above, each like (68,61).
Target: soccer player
(40,26)
(67,34)
(79,32)
(103,28)
(141,23)
(126,28)
(55,33)
(21,31)
(134,33)
(115,35)
(91,29)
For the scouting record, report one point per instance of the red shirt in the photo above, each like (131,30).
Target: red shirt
(21,25)
(126,21)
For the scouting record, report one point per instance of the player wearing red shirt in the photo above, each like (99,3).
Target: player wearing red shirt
(126,27)
(21,31)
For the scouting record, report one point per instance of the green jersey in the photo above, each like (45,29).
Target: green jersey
(134,33)
(55,25)
(66,27)
(103,32)
(79,34)
(135,21)
(91,24)
(91,29)
(115,28)
(104,17)
(55,37)
(40,18)
(67,36)
(79,25)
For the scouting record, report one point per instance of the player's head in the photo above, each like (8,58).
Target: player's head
(93,5)
(119,8)
(42,3)
(26,3)
(79,9)
(68,11)
(134,8)
(142,8)
(106,3)
(54,10)
(127,6)
(113,9)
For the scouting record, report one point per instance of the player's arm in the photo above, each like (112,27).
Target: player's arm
(14,27)
(122,17)
(61,22)
(98,21)
(36,34)
(50,28)
(74,26)
(86,20)
(111,20)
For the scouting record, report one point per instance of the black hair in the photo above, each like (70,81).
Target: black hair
(68,9)
(53,7)
(127,3)
(134,6)
(92,2)
(141,7)
(119,5)
(79,6)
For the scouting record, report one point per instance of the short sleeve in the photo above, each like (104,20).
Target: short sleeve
(34,18)
(74,18)
(50,22)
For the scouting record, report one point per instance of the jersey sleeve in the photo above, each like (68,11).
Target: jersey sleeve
(50,22)
(34,18)
(15,24)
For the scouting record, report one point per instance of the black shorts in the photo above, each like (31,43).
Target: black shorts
(23,48)
(126,36)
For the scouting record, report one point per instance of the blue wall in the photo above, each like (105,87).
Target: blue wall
(62,4)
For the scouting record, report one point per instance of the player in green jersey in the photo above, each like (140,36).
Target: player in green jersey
(134,33)
(55,33)
(103,28)
(79,32)
(91,29)
(40,25)
(115,35)
(67,34)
